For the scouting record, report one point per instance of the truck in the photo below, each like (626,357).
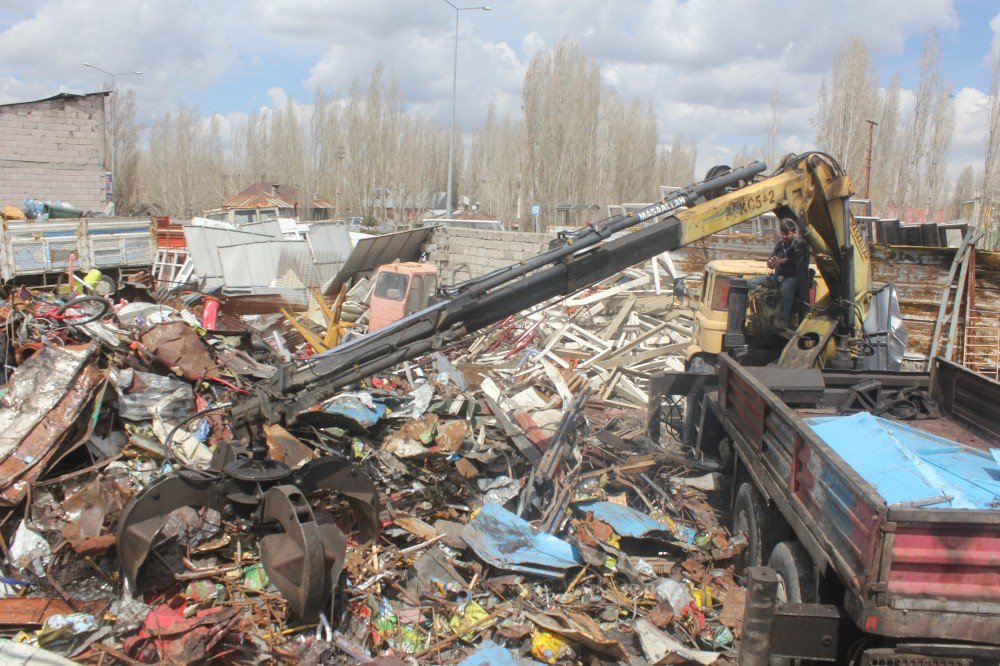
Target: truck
(858,577)
(304,558)
(38,251)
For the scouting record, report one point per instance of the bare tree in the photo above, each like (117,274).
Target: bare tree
(562,95)
(183,166)
(964,191)
(675,166)
(989,205)
(494,173)
(922,151)
(771,155)
(851,98)
(887,156)
(125,144)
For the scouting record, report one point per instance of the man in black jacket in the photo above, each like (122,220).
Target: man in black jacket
(782,260)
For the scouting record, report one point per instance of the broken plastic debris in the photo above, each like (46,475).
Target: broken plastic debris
(499,490)
(550,647)
(422,397)
(471,616)
(677,593)
(661,648)
(29,550)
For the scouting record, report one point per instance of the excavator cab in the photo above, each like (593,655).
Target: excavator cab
(712,314)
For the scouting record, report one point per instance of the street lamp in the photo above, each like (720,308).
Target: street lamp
(454,90)
(114,183)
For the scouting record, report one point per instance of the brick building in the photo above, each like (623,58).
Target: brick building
(53,149)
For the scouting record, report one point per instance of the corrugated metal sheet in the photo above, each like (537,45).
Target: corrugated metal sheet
(377,250)
(204,243)
(249,265)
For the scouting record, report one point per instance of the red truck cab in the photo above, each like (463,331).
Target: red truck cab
(401,288)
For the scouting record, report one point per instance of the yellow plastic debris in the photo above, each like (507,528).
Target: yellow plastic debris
(549,647)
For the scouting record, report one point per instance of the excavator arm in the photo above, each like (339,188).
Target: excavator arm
(304,558)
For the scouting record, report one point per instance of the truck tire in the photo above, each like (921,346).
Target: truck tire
(763,525)
(796,573)
(796,582)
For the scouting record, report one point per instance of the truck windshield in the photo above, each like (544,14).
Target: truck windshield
(720,294)
(391,286)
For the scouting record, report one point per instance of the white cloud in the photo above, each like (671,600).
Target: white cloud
(174,44)
(709,67)
(968,143)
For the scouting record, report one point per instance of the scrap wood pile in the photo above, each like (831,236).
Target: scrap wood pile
(525,517)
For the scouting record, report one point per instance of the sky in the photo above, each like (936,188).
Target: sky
(709,67)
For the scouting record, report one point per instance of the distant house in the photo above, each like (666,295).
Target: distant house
(410,208)
(53,149)
(285,198)
(465,218)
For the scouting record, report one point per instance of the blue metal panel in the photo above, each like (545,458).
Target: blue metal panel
(908,466)
(623,520)
(508,542)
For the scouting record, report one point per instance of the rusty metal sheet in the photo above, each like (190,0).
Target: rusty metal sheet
(177,345)
(18,612)
(37,385)
(46,399)
(258,304)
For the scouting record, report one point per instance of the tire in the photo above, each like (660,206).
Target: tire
(796,581)
(763,525)
(83,310)
(796,573)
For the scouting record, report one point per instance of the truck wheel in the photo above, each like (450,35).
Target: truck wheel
(763,526)
(796,581)
(796,573)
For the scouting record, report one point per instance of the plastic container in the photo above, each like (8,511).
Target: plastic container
(58,211)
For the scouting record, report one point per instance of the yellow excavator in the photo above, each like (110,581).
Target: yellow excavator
(835,289)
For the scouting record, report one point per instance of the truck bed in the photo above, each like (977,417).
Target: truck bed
(910,571)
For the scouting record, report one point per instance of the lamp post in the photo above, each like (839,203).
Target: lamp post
(454,91)
(114,183)
(868,162)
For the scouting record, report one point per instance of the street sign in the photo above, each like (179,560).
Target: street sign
(536,210)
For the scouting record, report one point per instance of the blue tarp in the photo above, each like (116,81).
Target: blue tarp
(623,520)
(907,465)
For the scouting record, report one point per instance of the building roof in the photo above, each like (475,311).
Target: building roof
(65,96)
(266,194)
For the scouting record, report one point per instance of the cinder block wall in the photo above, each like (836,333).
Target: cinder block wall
(464,253)
(53,150)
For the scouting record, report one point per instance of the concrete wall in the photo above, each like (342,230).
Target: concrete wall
(53,150)
(464,253)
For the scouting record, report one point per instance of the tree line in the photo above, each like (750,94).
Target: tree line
(575,142)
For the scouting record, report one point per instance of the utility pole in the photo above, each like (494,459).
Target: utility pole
(340,169)
(868,162)
(454,98)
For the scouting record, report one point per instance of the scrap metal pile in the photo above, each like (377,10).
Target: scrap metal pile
(523,515)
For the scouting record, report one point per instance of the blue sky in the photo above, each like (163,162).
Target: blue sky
(709,67)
